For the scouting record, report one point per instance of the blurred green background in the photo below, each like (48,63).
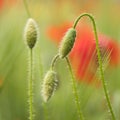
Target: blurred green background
(14,60)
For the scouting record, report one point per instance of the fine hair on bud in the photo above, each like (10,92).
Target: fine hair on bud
(67,42)
(31,33)
(49,85)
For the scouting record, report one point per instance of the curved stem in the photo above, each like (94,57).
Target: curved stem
(30,87)
(26,7)
(99,59)
(54,61)
(46,115)
(75,90)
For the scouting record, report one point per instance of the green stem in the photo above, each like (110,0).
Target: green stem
(26,7)
(40,65)
(75,91)
(30,84)
(30,87)
(99,59)
(46,116)
(54,61)
(45,107)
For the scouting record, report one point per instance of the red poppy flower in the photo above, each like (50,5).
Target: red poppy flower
(83,55)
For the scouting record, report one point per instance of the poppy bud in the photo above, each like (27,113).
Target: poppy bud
(31,33)
(67,43)
(50,83)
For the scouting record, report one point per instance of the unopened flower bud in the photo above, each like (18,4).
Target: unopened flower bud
(67,43)
(31,33)
(50,83)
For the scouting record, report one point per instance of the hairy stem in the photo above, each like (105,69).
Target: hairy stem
(99,59)
(46,116)
(54,61)
(30,87)
(75,91)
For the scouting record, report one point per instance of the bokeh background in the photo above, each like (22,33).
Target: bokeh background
(14,60)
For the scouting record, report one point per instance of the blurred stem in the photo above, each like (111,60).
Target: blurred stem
(46,115)
(26,7)
(75,90)
(99,59)
(54,61)
(30,87)
(6,78)
(40,64)
(45,107)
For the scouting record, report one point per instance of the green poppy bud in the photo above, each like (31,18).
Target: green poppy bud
(49,85)
(31,33)
(67,43)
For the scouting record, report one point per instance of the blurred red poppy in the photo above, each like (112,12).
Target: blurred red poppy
(83,55)
(12,2)
(57,32)
(9,3)
(1,4)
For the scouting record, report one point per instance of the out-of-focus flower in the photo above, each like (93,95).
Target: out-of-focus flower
(8,3)
(83,55)
(57,32)
(1,4)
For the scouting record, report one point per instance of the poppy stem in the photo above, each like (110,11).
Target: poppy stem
(46,116)
(44,105)
(45,109)
(75,90)
(54,61)
(30,86)
(26,7)
(99,59)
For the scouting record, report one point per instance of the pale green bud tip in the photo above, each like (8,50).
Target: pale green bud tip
(31,33)
(49,85)
(67,43)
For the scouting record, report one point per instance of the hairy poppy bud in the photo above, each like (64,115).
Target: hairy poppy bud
(31,33)
(67,43)
(50,83)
